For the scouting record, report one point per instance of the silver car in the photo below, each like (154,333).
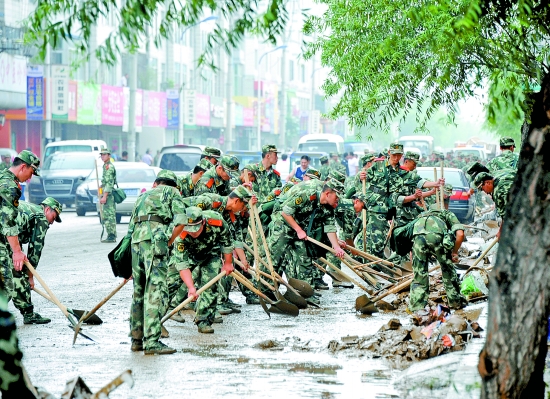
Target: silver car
(133,177)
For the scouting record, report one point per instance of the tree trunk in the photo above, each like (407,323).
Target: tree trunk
(512,361)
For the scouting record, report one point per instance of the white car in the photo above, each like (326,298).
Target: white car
(133,177)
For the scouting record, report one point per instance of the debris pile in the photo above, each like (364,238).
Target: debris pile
(435,331)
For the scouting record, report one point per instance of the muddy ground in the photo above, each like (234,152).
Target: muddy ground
(229,362)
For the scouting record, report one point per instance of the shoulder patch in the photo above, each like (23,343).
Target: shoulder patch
(200,205)
(215,222)
(313,197)
(107,166)
(16,203)
(182,236)
(210,182)
(181,247)
(232,217)
(270,197)
(299,200)
(216,204)
(276,172)
(277,192)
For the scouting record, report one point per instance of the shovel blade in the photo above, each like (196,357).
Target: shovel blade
(295,299)
(369,309)
(264,306)
(361,302)
(283,307)
(94,319)
(304,288)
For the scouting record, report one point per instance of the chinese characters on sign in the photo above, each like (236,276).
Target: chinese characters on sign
(59,84)
(35,93)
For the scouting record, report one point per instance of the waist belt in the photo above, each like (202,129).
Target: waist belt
(149,218)
(378,190)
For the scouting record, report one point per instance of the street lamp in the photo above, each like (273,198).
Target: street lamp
(210,18)
(260,92)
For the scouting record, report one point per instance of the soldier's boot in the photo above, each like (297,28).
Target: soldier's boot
(315,300)
(459,305)
(218,318)
(224,310)
(232,304)
(164,332)
(205,328)
(110,238)
(342,284)
(158,348)
(177,317)
(34,318)
(137,345)
(320,284)
(252,300)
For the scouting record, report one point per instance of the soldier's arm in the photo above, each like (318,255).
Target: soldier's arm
(181,259)
(227,249)
(109,179)
(36,243)
(289,208)
(8,215)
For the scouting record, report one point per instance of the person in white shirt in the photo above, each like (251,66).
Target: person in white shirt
(353,164)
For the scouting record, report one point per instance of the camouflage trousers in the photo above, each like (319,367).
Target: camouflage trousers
(377,230)
(109,215)
(16,284)
(150,298)
(500,196)
(177,290)
(12,384)
(424,247)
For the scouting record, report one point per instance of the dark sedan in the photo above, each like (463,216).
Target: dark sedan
(462,204)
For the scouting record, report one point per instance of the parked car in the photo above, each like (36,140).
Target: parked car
(462,204)
(246,157)
(133,177)
(470,151)
(74,146)
(180,158)
(60,175)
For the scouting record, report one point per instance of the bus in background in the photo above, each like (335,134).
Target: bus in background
(424,143)
(329,143)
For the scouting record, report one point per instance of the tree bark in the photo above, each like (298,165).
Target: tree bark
(512,361)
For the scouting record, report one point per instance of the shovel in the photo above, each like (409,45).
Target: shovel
(367,305)
(281,307)
(302,287)
(56,301)
(94,319)
(385,265)
(88,315)
(491,245)
(290,295)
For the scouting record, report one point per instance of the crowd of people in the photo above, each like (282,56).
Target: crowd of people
(188,230)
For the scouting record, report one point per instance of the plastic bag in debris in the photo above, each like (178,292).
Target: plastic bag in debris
(473,284)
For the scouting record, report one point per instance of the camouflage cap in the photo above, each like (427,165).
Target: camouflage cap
(205,164)
(230,164)
(323,159)
(365,159)
(413,156)
(6,155)
(476,168)
(269,148)
(448,190)
(361,197)
(335,186)
(166,174)
(192,219)
(212,152)
(336,175)
(104,151)
(507,142)
(333,154)
(252,168)
(396,148)
(55,205)
(481,177)
(30,159)
(313,173)
(243,193)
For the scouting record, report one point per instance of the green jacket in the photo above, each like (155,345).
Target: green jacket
(33,226)
(10,192)
(108,179)
(438,222)
(506,160)
(210,182)
(267,181)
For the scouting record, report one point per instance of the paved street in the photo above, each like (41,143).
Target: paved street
(75,266)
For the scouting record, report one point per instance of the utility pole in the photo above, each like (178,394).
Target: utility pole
(282,114)
(312,105)
(132,109)
(229,102)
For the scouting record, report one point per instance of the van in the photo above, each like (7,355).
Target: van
(469,151)
(328,143)
(424,143)
(180,158)
(74,146)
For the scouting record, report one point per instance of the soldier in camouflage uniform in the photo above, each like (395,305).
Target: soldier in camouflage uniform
(212,155)
(437,233)
(6,161)
(355,184)
(201,245)
(187,183)
(336,164)
(12,257)
(237,180)
(108,181)
(508,159)
(33,222)
(268,177)
(216,180)
(154,219)
(324,169)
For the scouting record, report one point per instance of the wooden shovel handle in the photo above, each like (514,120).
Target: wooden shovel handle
(491,245)
(246,282)
(399,286)
(364,218)
(344,275)
(87,315)
(436,192)
(259,272)
(441,191)
(368,256)
(189,300)
(53,298)
(371,279)
(329,249)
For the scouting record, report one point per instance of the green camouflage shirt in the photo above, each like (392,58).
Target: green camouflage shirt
(338,166)
(10,192)
(214,240)
(267,181)
(503,180)
(405,212)
(345,216)
(438,222)
(384,185)
(162,201)
(108,179)
(33,226)
(300,202)
(210,182)
(187,188)
(324,170)
(217,203)
(506,160)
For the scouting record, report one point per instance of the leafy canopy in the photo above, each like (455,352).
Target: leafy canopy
(56,20)
(389,59)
